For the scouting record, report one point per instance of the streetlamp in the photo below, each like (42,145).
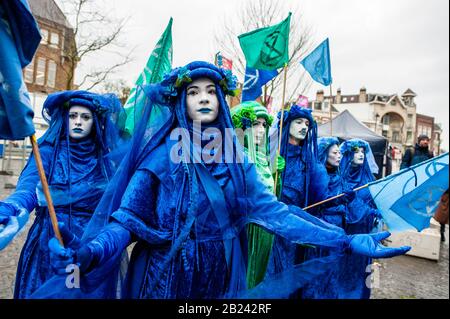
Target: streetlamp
(376,121)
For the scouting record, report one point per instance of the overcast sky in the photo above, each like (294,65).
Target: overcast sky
(386,46)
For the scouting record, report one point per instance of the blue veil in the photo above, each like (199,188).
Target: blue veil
(324,144)
(360,176)
(309,152)
(106,110)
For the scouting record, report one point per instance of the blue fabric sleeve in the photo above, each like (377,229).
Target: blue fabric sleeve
(25,194)
(109,244)
(137,209)
(318,184)
(289,221)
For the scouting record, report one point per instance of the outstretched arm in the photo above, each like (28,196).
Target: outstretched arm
(300,227)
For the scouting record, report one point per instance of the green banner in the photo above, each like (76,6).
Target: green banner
(267,48)
(158,64)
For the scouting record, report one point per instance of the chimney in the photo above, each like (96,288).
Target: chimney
(362,95)
(319,96)
(338,96)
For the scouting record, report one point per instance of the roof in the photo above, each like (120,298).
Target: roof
(49,10)
(362,111)
(346,126)
(409,92)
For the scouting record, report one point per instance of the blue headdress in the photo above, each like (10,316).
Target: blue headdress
(362,174)
(309,146)
(324,144)
(103,139)
(106,109)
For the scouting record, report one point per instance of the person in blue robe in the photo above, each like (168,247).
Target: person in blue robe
(327,286)
(357,167)
(74,150)
(185,200)
(304,179)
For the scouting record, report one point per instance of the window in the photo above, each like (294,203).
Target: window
(318,106)
(44,34)
(386,119)
(408,136)
(396,137)
(344,99)
(393,102)
(40,71)
(410,119)
(51,73)
(325,106)
(29,72)
(54,40)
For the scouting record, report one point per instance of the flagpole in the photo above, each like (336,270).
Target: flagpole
(334,197)
(41,172)
(281,125)
(265,95)
(331,113)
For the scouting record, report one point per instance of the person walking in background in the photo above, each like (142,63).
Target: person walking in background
(417,154)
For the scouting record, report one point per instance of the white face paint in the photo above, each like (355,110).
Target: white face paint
(334,156)
(80,122)
(259,130)
(201,100)
(299,128)
(358,156)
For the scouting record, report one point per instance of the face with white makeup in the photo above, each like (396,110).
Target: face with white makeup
(81,121)
(358,156)
(201,100)
(259,128)
(334,156)
(298,130)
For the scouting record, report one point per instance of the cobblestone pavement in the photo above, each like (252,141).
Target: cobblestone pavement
(403,277)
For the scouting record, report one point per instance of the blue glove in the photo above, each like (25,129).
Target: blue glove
(370,245)
(72,253)
(12,218)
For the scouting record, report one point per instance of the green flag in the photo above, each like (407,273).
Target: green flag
(267,48)
(158,64)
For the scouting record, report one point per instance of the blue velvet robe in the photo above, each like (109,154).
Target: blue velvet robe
(86,174)
(362,217)
(301,185)
(154,209)
(329,286)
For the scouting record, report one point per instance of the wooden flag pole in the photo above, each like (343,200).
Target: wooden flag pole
(281,125)
(331,113)
(40,167)
(334,197)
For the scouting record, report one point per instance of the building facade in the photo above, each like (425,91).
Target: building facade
(390,115)
(48,71)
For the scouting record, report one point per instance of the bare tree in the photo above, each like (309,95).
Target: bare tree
(118,87)
(262,13)
(94,31)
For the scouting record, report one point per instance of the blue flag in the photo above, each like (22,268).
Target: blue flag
(408,199)
(19,39)
(318,64)
(254,81)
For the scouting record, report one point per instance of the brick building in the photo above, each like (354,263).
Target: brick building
(49,71)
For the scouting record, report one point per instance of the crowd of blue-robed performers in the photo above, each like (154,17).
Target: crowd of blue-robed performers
(189,218)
